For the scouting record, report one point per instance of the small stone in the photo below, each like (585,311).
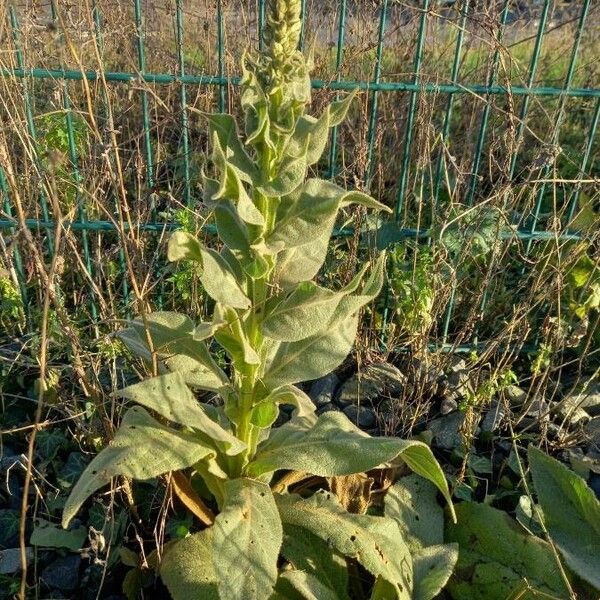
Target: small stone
(594,483)
(458,384)
(323,390)
(515,395)
(591,399)
(494,417)
(327,408)
(592,434)
(448,405)
(372,383)
(361,416)
(63,573)
(10,560)
(569,410)
(538,409)
(447,430)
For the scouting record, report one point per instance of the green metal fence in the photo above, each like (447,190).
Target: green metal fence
(418,21)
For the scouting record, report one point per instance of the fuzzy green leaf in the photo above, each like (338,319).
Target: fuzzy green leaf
(233,337)
(290,176)
(498,558)
(375,542)
(246,541)
(339,109)
(231,228)
(183,246)
(264,414)
(312,555)
(300,585)
(187,568)
(432,567)
(336,447)
(178,344)
(219,281)
(289,394)
(571,514)
(312,357)
(301,314)
(301,263)
(142,449)
(223,125)
(412,503)
(170,397)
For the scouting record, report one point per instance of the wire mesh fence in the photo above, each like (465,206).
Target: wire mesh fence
(477,123)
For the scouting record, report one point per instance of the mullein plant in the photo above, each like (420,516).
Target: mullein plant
(225,459)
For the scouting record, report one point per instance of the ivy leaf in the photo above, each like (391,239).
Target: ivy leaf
(375,542)
(246,541)
(571,514)
(170,397)
(142,449)
(48,535)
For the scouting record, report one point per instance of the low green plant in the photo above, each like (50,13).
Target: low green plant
(278,328)
(12,313)
(499,558)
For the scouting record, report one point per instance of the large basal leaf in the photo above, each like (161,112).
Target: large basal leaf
(432,567)
(246,541)
(187,568)
(497,558)
(311,554)
(336,447)
(142,449)
(571,514)
(312,357)
(375,542)
(300,585)
(413,504)
(169,396)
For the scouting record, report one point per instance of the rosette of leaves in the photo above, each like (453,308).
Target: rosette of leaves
(278,327)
